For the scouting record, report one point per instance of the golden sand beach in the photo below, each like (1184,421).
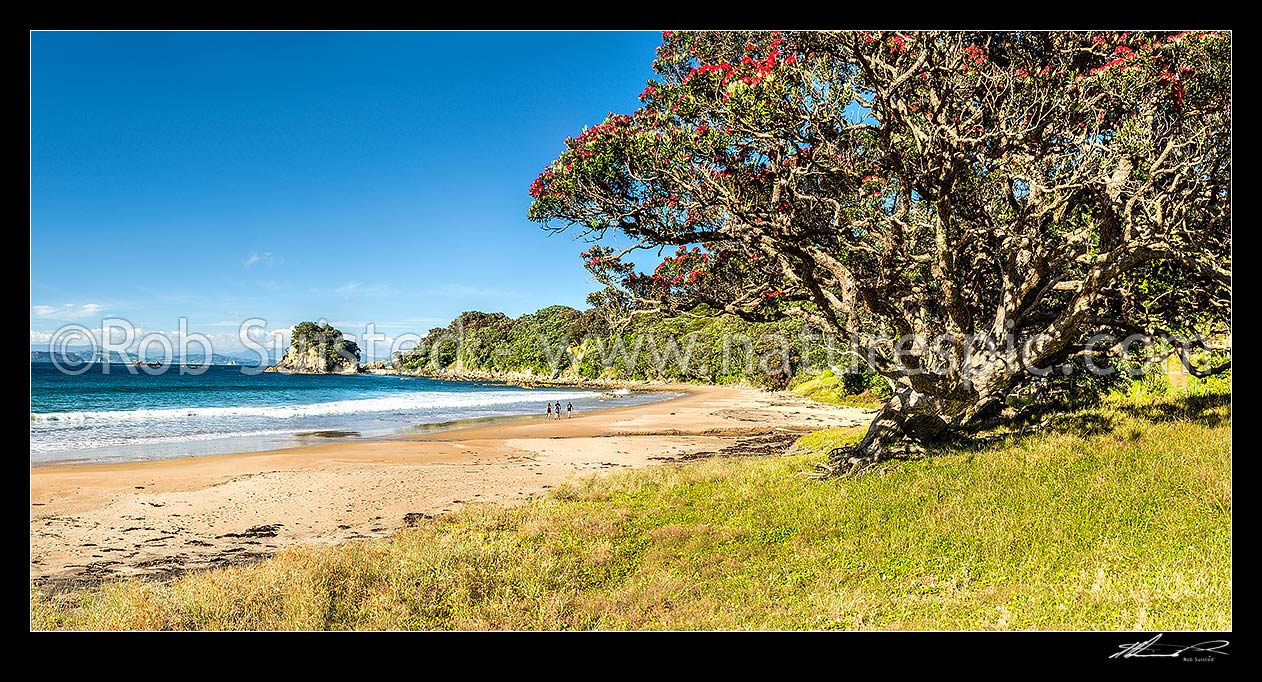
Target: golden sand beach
(91,522)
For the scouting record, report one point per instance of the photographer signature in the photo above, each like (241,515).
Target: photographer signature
(1153,649)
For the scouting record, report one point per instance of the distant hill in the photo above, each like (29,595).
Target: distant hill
(85,354)
(215,359)
(69,358)
(96,356)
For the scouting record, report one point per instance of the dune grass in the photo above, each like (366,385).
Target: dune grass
(1115,518)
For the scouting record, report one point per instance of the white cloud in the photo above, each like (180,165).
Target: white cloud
(68,311)
(227,342)
(266,258)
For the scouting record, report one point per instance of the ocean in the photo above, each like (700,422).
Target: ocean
(125,416)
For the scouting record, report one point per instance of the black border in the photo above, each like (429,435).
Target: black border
(846,653)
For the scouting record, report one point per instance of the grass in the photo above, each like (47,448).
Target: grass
(824,441)
(828,388)
(1117,518)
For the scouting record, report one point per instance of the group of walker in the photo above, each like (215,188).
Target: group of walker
(569,409)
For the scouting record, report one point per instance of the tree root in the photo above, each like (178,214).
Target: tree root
(845,463)
(841,469)
(855,461)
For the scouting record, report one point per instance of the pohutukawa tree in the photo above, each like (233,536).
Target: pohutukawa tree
(989,201)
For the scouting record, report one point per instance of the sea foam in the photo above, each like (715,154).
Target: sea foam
(400,403)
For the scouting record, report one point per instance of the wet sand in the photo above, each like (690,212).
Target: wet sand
(94,522)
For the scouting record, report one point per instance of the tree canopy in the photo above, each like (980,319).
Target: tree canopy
(971,209)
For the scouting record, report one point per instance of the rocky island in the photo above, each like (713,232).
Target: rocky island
(318,349)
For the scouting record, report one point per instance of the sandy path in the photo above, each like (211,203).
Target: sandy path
(93,522)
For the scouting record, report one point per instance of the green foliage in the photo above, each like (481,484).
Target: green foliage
(328,342)
(1154,384)
(494,342)
(701,345)
(1211,385)
(1119,518)
(825,441)
(854,389)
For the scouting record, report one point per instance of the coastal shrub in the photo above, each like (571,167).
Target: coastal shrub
(702,346)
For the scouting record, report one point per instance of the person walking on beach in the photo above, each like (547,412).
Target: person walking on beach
(549,410)
(558,409)
(569,410)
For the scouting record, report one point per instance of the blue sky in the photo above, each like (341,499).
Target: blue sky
(352,177)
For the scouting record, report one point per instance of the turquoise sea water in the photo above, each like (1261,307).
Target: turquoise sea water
(95,416)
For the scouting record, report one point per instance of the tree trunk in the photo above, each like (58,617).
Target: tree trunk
(912,418)
(891,428)
(904,423)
